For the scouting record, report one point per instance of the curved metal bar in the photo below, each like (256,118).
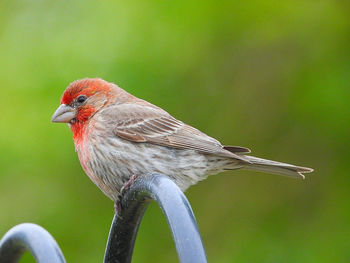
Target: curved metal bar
(33,238)
(176,209)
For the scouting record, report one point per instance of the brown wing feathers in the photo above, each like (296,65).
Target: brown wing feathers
(153,125)
(237,149)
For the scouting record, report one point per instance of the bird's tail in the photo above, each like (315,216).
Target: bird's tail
(263,165)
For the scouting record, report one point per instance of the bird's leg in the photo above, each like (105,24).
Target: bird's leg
(126,186)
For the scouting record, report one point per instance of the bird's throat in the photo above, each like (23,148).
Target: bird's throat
(78,129)
(82,120)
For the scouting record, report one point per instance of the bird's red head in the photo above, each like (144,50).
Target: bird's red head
(80,101)
(85,87)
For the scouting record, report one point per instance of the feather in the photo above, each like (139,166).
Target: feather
(264,165)
(148,123)
(237,149)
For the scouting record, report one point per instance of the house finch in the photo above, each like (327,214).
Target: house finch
(117,136)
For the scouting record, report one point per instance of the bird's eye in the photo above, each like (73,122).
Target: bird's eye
(81,99)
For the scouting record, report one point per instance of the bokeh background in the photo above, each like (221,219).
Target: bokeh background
(269,75)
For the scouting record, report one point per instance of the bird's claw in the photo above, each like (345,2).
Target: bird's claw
(118,204)
(127,185)
(118,207)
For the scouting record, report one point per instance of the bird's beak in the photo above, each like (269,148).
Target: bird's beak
(64,114)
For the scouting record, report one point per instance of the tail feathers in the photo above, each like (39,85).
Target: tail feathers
(263,165)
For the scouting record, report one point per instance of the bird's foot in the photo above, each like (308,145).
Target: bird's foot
(118,206)
(125,187)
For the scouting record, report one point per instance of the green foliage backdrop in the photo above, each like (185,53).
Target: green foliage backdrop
(270,75)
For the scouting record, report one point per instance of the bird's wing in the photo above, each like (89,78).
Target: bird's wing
(140,123)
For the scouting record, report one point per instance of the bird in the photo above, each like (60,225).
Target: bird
(119,137)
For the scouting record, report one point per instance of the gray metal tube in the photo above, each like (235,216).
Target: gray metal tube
(175,207)
(32,238)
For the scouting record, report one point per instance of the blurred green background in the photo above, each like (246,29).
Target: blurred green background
(269,75)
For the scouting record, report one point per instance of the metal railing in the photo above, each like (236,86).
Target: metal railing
(122,235)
